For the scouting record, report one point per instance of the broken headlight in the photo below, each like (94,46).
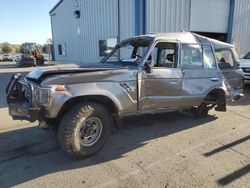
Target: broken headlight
(42,96)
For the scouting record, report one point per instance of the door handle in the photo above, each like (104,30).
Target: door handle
(215,79)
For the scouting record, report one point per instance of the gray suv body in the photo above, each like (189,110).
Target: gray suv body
(151,73)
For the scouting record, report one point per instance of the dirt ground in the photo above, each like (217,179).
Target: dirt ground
(164,150)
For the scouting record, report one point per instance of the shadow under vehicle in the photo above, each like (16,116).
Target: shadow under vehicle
(154,73)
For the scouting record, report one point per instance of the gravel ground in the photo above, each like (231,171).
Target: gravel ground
(165,150)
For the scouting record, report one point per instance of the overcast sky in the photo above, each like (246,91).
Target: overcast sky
(25,20)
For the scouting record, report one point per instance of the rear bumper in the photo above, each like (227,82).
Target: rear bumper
(20,106)
(236,94)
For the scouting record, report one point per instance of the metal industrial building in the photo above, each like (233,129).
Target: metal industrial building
(84,31)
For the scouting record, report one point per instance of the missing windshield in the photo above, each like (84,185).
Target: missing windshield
(130,52)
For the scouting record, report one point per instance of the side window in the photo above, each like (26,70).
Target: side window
(208,57)
(247,56)
(163,55)
(191,56)
(225,59)
(167,58)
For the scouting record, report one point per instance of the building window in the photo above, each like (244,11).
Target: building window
(106,46)
(62,49)
(59,49)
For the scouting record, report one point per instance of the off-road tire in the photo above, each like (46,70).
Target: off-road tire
(74,118)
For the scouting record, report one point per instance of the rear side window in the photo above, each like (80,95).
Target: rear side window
(225,59)
(197,56)
(208,57)
(247,56)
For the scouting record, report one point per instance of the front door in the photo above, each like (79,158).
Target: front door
(161,88)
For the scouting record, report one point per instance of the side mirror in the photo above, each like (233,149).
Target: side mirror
(147,68)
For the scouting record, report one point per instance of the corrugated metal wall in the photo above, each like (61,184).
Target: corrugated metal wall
(62,30)
(167,15)
(209,15)
(127,18)
(99,20)
(241,26)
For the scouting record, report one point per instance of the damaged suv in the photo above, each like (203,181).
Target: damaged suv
(152,73)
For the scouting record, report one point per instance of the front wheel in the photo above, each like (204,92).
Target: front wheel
(84,129)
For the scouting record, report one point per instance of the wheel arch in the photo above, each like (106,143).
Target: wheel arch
(217,96)
(101,99)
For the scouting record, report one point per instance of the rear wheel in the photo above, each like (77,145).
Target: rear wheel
(84,129)
(201,111)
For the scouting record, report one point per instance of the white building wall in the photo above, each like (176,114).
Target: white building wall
(241,26)
(167,15)
(98,20)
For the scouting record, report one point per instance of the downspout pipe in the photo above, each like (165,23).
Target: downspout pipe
(231,21)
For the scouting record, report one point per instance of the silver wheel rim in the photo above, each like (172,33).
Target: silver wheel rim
(90,131)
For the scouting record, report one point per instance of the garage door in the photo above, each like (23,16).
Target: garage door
(209,15)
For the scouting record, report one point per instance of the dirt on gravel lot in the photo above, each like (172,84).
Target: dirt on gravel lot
(164,150)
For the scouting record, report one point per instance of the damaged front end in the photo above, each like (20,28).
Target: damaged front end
(20,96)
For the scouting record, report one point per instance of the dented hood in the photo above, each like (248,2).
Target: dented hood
(41,73)
(77,74)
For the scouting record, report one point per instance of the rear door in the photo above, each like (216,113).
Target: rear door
(229,64)
(200,72)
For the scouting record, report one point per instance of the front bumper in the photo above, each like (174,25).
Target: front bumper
(22,111)
(19,102)
(246,78)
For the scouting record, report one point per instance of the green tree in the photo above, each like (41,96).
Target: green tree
(7,48)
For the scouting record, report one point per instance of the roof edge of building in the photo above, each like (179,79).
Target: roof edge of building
(57,4)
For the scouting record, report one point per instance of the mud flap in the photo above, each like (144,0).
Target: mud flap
(221,102)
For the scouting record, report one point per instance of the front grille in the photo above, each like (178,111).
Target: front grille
(27,92)
(244,69)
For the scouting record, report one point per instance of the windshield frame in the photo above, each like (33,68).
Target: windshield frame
(127,41)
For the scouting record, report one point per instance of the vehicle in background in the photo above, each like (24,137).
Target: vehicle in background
(245,66)
(228,62)
(156,73)
(26,60)
(7,57)
(31,48)
(46,57)
(17,57)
